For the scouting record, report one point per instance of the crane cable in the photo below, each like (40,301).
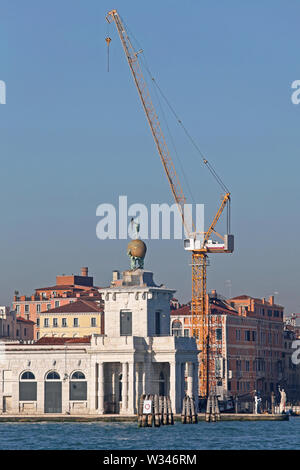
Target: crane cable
(205,161)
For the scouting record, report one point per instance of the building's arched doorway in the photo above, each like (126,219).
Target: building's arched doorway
(53,393)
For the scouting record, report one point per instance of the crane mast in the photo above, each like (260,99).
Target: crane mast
(199,305)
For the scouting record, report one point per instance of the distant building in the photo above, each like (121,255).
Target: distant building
(246,344)
(66,290)
(76,319)
(13,327)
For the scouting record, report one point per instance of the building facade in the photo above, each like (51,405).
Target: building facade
(76,319)
(246,345)
(104,373)
(13,327)
(68,289)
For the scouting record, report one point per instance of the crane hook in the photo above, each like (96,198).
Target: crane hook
(108,41)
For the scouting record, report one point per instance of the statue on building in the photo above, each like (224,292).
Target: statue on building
(282,404)
(136,250)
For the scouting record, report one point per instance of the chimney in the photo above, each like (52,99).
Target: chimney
(271,299)
(84,272)
(116,275)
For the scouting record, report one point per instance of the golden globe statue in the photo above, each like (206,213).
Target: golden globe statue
(136,251)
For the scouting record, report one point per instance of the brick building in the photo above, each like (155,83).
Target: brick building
(246,344)
(67,289)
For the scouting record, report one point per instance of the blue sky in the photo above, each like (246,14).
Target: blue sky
(74,136)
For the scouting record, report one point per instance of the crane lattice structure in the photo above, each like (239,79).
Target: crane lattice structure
(199,246)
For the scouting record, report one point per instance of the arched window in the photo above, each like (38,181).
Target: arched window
(53,376)
(27,387)
(27,376)
(78,387)
(78,375)
(176,328)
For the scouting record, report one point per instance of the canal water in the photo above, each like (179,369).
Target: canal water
(111,436)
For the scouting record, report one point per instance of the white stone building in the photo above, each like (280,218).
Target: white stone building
(104,373)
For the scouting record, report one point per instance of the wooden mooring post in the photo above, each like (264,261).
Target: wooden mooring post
(188,414)
(212,409)
(154,409)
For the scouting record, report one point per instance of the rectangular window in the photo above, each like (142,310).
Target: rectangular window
(186,333)
(17,308)
(25,332)
(125,323)
(157,323)
(48,306)
(27,391)
(78,391)
(55,322)
(57,303)
(253,335)
(46,322)
(269,313)
(38,308)
(64,322)
(37,322)
(93,322)
(219,334)
(247,335)
(26,308)
(247,366)
(75,322)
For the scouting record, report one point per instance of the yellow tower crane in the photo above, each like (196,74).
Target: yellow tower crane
(199,245)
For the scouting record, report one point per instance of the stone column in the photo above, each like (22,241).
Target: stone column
(124,387)
(100,388)
(65,395)
(190,373)
(1,390)
(92,389)
(178,387)
(14,393)
(172,387)
(143,379)
(131,388)
(195,385)
(138,383)
(40,395)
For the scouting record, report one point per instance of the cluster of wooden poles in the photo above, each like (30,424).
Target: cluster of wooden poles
(212,409)
(160,413)
(189,413)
